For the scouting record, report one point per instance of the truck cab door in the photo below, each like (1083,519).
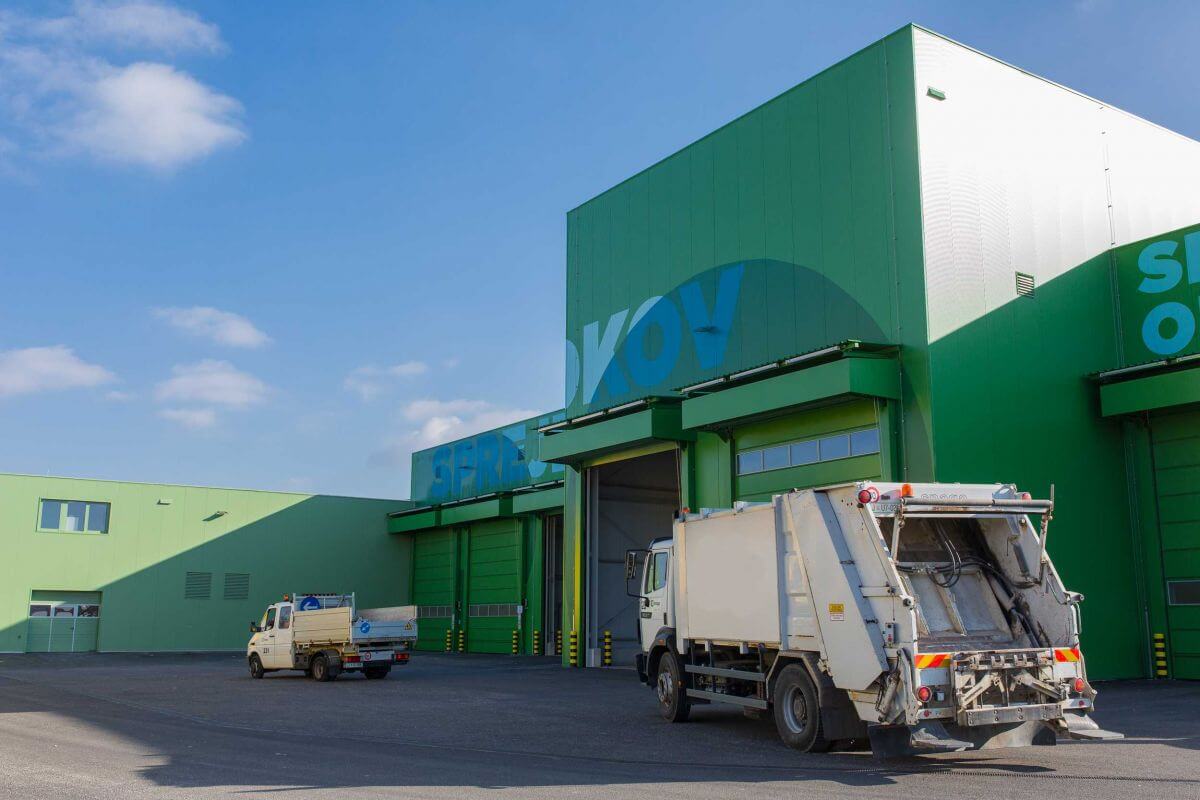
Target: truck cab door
(281,639)
(266,637)
(652,611)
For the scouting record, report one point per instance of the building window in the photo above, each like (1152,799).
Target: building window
(1183,593)
(73,516)
(39,609)
(811,451)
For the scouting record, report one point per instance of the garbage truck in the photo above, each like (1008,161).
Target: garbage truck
(325,635)
(914,617)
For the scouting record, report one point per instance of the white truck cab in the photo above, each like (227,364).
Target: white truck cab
(920,617)
(324,635)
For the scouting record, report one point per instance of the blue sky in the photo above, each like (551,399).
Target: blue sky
(245,244)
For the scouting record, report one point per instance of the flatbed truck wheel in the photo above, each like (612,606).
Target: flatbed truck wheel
(798,711)
(256,666)
(323,669)
(669,687)
(376,673)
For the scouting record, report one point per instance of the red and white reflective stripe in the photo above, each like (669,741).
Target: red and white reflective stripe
(932,660)
(1067,654)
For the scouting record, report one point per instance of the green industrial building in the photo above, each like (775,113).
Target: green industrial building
(110,566)
(920,264)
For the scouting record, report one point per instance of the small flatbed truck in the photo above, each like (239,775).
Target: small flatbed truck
(325,635)
(918,617)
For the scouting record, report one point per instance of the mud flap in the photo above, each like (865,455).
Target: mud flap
(893,741)
(1081,726)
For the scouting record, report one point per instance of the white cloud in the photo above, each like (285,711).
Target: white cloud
(370,381)
(429,422)
(212,382)
(222,327)
(66,92)
(153,115)
(192,418)
(41,369)
(118,396)
(134,24)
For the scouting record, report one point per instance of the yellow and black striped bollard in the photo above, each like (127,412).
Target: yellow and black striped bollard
(462,640)
(449,639)
(607,654)
(573,651)
(558,642)
(516,642)
(1160,655)
(537,641)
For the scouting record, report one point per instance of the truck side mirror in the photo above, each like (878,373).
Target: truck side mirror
(255,627)
(630,565)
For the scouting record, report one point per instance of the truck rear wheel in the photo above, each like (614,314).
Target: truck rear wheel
(322,668)
(256,666)
(798,711)
(669,687)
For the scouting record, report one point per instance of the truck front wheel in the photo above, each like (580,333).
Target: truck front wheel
(668,686)
(798,711)
(256,667)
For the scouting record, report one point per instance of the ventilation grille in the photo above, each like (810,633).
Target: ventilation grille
(494,610)
(1024,285)
(237,585)
(197,586)
(433,612)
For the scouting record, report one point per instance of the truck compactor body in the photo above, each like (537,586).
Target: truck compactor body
(918,617)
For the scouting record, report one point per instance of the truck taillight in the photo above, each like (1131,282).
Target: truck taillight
(1025,496)
(868,495)
(924,694)
(1079,685)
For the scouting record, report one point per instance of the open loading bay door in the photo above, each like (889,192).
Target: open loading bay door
(630,503)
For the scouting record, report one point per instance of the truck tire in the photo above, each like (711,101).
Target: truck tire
(323,668)
(256,666)
(798,711)
(376,673)
(669,688)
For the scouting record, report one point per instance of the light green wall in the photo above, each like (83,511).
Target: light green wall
(286,542)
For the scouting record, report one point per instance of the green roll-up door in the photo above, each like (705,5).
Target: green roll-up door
(494,585)
(433,586)
(1176,438)
(834,444)
(63,622)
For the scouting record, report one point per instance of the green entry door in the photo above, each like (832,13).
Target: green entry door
(433,585)
(493,585)
(1176,438)
(63,622)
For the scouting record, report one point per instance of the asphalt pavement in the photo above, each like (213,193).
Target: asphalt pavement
(449,726)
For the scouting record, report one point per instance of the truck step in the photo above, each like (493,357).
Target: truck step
(1081,726)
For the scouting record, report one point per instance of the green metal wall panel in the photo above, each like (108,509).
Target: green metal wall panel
(159,532)
(1158,290)
(493,461)
(775,235)
(1151,392)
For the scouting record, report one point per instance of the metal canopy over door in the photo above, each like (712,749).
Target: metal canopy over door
(493,585)
(63,622)
(1176,446)
(433,583)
